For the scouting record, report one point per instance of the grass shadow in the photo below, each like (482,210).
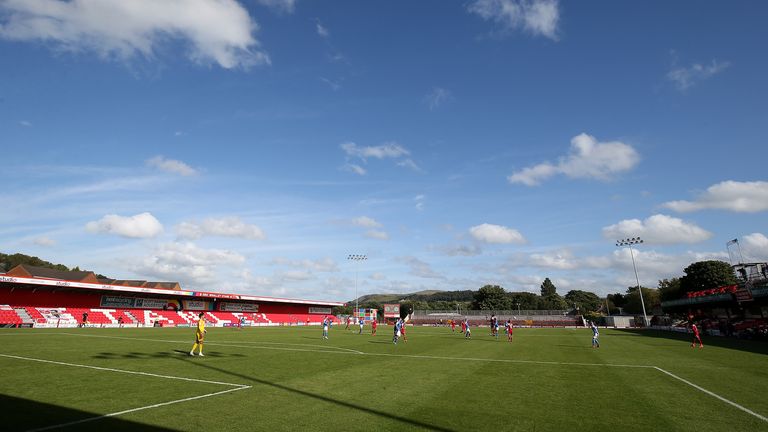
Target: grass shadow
(756,347)
(348,405)
(23,415)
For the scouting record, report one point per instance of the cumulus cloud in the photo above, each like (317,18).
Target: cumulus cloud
(658,229)
(142,225)
(213,31)
(538,17)
(490,233)
(319,265)
(561,260)
(366,222)
(171,166)
(222,227)
(377,234)
(420,268)
(390,150)
(588,159)
(437,97)
(756,247)
(740,197)
(685,77)
(44,241)
(186,262)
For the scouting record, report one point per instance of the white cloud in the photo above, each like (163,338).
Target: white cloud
(490,233)
(437,97)
(377,234)
(187,263)
(387,150)
(354,168)
(214,31)
(320,265)
(588,159)
(142,225)
(171,166)
(322,31)
(741,197)
(419,200)
(420,268)
(460,250)
(658,229)
(223,227)
(366,222)
(755,247)
(377,276)
(561,260)
(685,77)
(334,85)
(282,6)
(24,123)
(538,17)
(410,164)
(44,241)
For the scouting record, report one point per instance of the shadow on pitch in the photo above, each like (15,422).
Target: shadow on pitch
(158,355)
(23,414)
(715,341)
(348,405)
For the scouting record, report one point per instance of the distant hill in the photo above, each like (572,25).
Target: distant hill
(8,262)
(428,296)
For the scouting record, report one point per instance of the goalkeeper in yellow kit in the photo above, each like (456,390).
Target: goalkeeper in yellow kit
(199,335)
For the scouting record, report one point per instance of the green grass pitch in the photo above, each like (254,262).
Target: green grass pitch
(288,379)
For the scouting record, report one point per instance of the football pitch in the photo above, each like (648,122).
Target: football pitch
(288,378)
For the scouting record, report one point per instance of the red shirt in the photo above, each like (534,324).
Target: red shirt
(695,330)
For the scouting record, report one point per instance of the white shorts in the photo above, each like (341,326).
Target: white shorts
(398,333)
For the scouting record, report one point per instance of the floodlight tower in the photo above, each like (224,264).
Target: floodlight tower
(628,243)
(357,258)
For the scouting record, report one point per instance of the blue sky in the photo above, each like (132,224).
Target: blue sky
(251,146)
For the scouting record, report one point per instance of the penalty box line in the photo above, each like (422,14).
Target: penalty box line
(713,394)
(236,387)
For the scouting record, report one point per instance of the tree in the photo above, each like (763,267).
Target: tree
(585,301)
(526,300)
(633,305)
(552,302)
(705,275)
(491,297)
(617,300)
(670,289)
(547,288)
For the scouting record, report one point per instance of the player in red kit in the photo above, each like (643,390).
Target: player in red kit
(696,337)
(374,324)
(453,326)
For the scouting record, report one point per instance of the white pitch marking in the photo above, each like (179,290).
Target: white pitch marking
(121,371)
(90,419)
(714,395)
(346,350)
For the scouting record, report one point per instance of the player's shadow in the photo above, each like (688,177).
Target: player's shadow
(23,415)
(347,405)
(381,342)
(158,355)
(758,347)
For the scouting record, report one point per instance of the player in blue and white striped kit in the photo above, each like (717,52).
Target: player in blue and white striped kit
(595,335)
(398,326)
